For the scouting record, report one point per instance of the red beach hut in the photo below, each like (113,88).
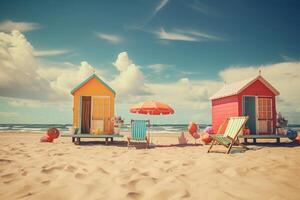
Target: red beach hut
(254,97)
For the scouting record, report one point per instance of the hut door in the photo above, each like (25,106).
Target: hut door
(249,109)
(265,119)
(101,114)
(86,114)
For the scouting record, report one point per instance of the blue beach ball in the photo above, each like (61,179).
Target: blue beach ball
(291,134)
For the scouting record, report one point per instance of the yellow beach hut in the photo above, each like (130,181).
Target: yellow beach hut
(94,106)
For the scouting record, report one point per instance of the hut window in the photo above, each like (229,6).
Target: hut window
(264,108)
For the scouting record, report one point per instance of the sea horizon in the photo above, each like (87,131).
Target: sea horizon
(65,128)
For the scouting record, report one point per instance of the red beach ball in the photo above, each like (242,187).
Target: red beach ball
(205,138)
(53,133)
(297,139)
(46,138)
(192,128)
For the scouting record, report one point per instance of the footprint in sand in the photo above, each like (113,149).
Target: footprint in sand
(80,176)
(24,173)
(9,175)
(145,174)
(46,182)
(134,195)
(59,154)
(51,169)
(170,170)
(5,161)
(167,162)
(103,171)
(70,168)
(140,183)
(188,163)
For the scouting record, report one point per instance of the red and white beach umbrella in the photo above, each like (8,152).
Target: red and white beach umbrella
(152,108)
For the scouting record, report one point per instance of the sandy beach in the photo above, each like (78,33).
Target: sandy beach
(61,170)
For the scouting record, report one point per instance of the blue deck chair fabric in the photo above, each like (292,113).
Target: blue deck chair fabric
(139,132)
(138,129)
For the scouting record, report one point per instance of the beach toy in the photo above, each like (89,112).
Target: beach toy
(192,128)
(297,139)
(208,130)
(53,133)
(205,137)
(195,135)
(182,139)
(291,134)
(46,138)
(246,131)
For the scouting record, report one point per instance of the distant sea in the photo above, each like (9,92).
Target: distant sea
(65,128)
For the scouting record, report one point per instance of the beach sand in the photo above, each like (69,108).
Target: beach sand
(61,170)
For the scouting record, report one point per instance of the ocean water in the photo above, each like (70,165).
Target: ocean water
(65,128)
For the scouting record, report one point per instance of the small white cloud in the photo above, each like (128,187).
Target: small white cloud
(162,34)
(50,52)
(9,25)
(16,102)
(115,39)
(158,67)
(185,35)
(161,4)
(202,8)
(8,114)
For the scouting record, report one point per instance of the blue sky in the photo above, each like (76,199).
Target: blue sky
(190,43)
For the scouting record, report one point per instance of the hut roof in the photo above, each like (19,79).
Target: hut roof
(87,80)
(238,87)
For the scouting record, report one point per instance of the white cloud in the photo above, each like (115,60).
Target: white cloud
(130,81)
(26,81)
(19,102)
(9,25)
(202,8)
(50,52)
(160,6)
(190,98)
(162,34)
(8,114)
(18,77)
(26,78)
(115,39)
(185,35)
(68,79)
(159,67)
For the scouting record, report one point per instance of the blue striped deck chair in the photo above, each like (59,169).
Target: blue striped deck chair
(139,131)
(229,138)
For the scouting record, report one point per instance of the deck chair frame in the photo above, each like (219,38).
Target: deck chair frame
(147,137)
(230,141)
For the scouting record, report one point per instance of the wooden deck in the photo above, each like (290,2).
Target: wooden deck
(255,137)
(78,137)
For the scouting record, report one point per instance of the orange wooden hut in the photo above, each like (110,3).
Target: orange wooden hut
(94,106)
